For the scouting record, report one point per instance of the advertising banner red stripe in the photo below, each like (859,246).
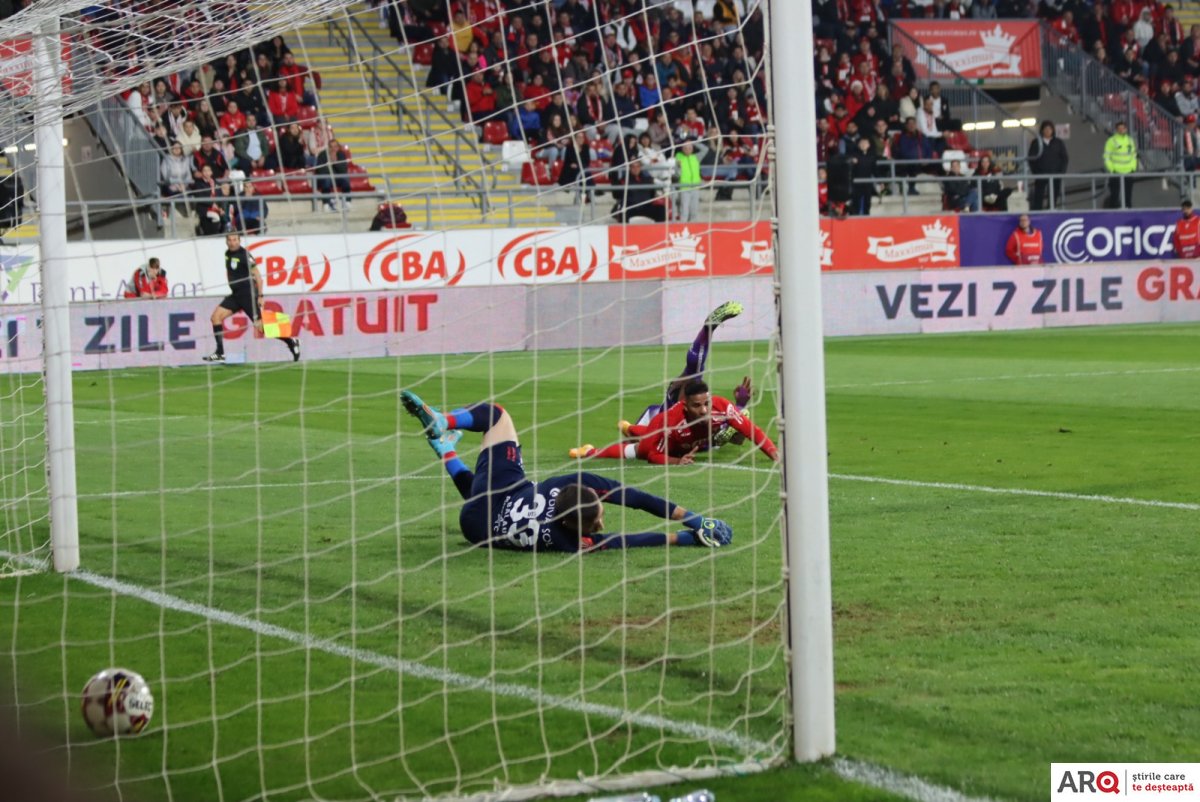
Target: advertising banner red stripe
(1006,50)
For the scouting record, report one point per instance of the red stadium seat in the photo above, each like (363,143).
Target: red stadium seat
(958,140)
(308,117)
(298,182)
(265,182)
(599,170)
(556,171)
(495,132)
(359,182)
(535,173)
(1115,103)
(423,54)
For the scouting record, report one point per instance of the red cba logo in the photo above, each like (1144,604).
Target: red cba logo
(529,260)
(277,272)
(399,265)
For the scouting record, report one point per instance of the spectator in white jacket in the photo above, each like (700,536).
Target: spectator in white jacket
(1186,99)
(1143,30)
(139,103)
(927,124)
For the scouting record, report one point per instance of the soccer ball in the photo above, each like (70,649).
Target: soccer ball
(117,701)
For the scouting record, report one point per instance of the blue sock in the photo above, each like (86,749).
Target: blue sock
(460,474)
(475,418)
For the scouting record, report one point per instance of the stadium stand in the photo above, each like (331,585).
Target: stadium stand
(431,124)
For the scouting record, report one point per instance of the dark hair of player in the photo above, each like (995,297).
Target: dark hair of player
(694,387)
(578,508)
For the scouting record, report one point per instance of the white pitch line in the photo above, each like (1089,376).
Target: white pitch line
(1011,377)
(745,745)
(854,771)
(900,784)
(1017,491)
(843,477)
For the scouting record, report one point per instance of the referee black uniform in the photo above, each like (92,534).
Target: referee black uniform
(243,297)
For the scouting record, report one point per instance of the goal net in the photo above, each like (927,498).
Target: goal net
(560,209)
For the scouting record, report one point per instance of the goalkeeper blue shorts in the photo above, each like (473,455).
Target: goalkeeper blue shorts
(499,483)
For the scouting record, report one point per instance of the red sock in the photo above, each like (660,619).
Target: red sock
(615,451)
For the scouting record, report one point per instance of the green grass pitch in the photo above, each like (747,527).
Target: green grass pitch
(980,633)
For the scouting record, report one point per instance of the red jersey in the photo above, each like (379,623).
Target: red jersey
(1187,238)
(294,74)
(146,287)
(1122,12)
(671,434)
(233,123)
(1025,249)
(283,104)
(1066,29)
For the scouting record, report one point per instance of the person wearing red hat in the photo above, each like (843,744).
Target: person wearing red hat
(1024,244)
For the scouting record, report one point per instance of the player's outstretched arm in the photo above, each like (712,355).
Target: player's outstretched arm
(699,531)
(744,426)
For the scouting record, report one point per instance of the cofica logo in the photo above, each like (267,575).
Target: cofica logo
(1074,241)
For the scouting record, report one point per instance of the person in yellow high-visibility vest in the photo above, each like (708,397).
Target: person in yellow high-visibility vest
(687,206)
(1120,160)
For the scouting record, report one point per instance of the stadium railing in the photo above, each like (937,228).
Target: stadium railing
(116,127)
(1097,182)
(1105,98)
(128,142)
(421,209)
(17,141)
(415,121)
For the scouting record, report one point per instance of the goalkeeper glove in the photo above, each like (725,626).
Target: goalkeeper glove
(713,533)
(723,435)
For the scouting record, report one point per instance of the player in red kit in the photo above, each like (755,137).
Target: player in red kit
(1187,234)
(690,425)
(1025,244)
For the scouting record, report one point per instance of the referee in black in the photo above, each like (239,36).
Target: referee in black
(245,294)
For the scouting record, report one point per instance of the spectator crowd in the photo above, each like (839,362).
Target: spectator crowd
(593,87)
(230,130)
(870,109)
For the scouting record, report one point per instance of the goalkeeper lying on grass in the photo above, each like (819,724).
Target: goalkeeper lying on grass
(690,419)
(504,509)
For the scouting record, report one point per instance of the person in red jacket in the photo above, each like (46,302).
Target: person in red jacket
(1025,244)
(149,281)
(283,104)
(1187,234)
(295,75)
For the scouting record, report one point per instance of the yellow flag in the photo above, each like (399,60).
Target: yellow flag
(276,324)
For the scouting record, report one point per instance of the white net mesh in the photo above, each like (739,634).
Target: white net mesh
(273,545)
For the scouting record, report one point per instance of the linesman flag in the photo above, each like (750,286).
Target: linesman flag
(276,324)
